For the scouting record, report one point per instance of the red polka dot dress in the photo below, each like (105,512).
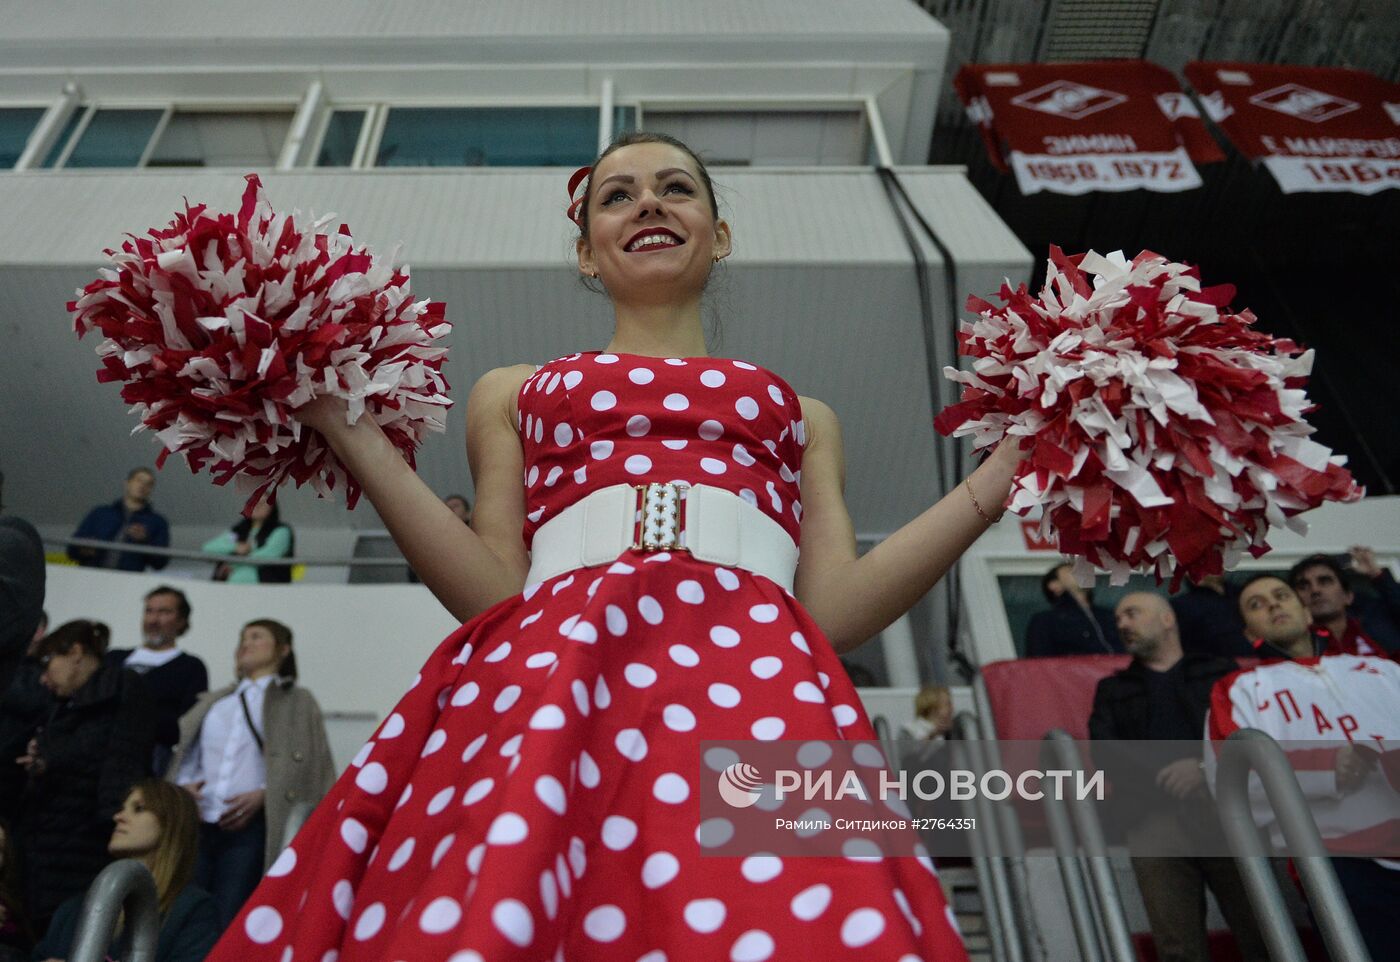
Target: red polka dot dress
(533,795)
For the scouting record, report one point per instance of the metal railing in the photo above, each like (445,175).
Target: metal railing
(1100,924)
(1005,924)
(190,555)
(1250,751)
(122,887)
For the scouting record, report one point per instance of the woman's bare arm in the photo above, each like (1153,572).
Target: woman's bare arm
(852,598)
(467,569)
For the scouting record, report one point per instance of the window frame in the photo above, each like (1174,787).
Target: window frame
(168,109)
(43,106)
(752,105)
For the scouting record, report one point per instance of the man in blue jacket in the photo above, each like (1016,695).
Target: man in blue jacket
(128,520)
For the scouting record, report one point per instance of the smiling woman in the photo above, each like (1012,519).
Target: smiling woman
(677,565)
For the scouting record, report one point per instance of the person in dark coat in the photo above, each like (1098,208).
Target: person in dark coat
(174,679)
(1160,796)
(128,520)
(1208,617)
(21,589)
(157,825)
(60,781)
(1353,625)
(1074,625)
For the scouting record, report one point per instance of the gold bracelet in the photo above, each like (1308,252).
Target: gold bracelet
(980,513)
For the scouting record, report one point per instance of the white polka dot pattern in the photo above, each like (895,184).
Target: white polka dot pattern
(534,792)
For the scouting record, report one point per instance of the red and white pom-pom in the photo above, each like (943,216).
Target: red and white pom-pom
(220,325)
(1168,433)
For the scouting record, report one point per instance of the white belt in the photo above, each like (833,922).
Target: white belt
(711,523)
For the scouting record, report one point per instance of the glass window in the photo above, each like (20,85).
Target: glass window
(767,137)
(242,139)
(16,124)
(342,134)
(624,119)
(61,141)
(115,138)
(488,137)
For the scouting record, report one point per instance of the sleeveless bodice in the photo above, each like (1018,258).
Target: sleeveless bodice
(592,420)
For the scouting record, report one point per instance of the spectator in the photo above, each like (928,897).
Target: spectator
(61,781)
(128,520)
(21,588)
(1073,625)
(1325,700)
(15,937)
(260,535)
(933,714)
(249,752)
(1163,695)
(460,506)
(159,826)
(1208,619)
(173,678)
(1365,628)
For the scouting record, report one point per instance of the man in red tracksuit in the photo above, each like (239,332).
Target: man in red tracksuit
(1351,703)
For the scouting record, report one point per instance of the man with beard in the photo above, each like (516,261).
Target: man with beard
(1161,797)
(173,679)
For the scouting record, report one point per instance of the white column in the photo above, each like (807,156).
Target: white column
(901,661)
(605,115)
(307,113)
(42,137)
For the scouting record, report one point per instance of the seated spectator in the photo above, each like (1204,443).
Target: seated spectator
(1073,625)
(260,535)
(157,825)
(61,780)
(1208,619)
(1353,626)
(460,506)
(249,752)
(933,714)
(1325,699)
(15,937)
(173,678)
(128,520)
(1163,695)
(21,588)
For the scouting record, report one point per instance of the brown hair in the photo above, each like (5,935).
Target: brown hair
(282,637)
(172,863)
(91,636)
(628,139)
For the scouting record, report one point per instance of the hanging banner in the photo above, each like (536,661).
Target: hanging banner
(1314,128)
(1073,128)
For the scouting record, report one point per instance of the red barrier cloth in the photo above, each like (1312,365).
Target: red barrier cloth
(1314,128)
(1072,128)
(1031,696)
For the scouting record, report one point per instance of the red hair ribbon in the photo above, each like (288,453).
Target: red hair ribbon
(572,210)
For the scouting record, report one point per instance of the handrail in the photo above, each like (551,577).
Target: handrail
(1009,826)
(125,886)
(1108,920)
(1251,751)
(981,861)
(184,554)
(967,730)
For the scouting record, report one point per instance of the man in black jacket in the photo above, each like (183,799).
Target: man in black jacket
(61,782)
(1163,696)
(173,679)
(1074,625)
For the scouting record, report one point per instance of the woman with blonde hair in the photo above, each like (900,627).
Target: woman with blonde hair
(247,753)
(157,825)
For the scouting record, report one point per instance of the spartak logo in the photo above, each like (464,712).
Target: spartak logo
(1065,98)
(1295,100)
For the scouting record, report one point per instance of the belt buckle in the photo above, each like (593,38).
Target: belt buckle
(660,508)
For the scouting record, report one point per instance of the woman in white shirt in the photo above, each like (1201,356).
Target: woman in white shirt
(249,752)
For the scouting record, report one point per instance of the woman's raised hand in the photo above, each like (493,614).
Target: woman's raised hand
(325,414)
